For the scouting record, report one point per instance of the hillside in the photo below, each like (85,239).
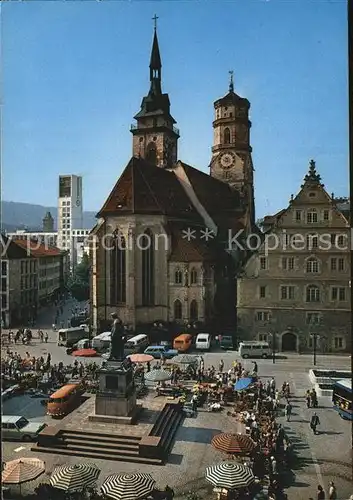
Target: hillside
(15,215)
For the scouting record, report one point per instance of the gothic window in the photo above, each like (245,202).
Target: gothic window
(226,136)
(147,250)
(178,277)
(312,265)
(193,276)
(312,293)
(178,310)
(151,153)
(194,315)
(118,270)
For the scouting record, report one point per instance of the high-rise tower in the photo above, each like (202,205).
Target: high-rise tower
(154,136)
(231,152)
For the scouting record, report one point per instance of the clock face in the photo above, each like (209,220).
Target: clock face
(227,160)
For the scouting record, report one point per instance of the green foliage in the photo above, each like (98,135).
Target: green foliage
(79,284)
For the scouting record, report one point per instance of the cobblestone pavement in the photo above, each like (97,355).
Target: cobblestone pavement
(320,458)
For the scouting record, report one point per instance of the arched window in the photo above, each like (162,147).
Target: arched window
(194,313)
(312,241)
(226,137)
(151,153)
(178,310)
(193,276)
(147,250)
(311,216)
(118,270)
(178,277)
(312,293)
(312,265)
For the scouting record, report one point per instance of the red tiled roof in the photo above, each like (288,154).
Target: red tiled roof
(195,250)
(216,196)
(35,249)
(145,189)
(9,249)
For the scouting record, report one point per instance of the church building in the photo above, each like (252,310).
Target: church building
(161,249)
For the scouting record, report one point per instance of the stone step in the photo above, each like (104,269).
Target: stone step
(98,438)
(98,454)
(99,435)
(111,451)
(118,446)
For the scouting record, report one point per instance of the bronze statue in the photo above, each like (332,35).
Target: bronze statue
(117,340)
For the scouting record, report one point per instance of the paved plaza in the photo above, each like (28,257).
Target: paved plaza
(319,458)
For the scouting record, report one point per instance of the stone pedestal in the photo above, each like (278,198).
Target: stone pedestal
(116,396)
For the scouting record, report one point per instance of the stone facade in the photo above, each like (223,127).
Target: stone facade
(296,287)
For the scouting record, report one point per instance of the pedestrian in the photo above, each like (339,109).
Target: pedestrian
(194,403)
(332,493)
(308,398)
(148,366)
(46,336)
(221,366)
(314,422)
(288,410)
(320,493)
(255,367)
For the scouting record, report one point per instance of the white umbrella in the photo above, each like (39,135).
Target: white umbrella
(230,475)
(128,486)
(71,478)
(22,470)
(158,376)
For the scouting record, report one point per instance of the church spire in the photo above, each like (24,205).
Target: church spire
(155,63)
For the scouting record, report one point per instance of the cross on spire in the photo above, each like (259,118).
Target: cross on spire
(231,82)
(155,21)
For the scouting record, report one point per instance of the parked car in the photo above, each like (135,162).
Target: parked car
(225,341)
(157,350)
(17,428)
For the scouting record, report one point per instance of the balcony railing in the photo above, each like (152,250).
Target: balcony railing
(134,126)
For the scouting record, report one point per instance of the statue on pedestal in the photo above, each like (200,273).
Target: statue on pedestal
(117,340)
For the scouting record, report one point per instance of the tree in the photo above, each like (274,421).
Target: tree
(79,284)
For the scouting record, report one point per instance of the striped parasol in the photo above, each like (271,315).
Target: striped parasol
(230,475)
(233,444)
(128,486)
(184,359)
(158,376)
(22,470)
(71,478)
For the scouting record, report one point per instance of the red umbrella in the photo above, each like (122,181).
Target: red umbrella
(140,358)
(233,443)
(85,353)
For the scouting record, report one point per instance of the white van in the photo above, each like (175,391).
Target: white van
(203,341)
(102,341)
(136,344)
(69,336)
(254,349)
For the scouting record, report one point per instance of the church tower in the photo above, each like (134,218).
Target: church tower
(231,152)
(154,136)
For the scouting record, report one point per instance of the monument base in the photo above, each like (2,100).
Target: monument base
(118,419)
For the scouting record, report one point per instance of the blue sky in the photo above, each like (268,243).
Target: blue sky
(74,74)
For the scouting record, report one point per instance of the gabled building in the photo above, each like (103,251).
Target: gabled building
(295,288)
(32,274)
(160,249)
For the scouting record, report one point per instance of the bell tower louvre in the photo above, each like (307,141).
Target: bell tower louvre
(155,138)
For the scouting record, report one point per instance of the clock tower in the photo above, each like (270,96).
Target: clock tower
(231,152)
(155,137)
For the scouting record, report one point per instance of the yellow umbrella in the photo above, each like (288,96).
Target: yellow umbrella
(22,470)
